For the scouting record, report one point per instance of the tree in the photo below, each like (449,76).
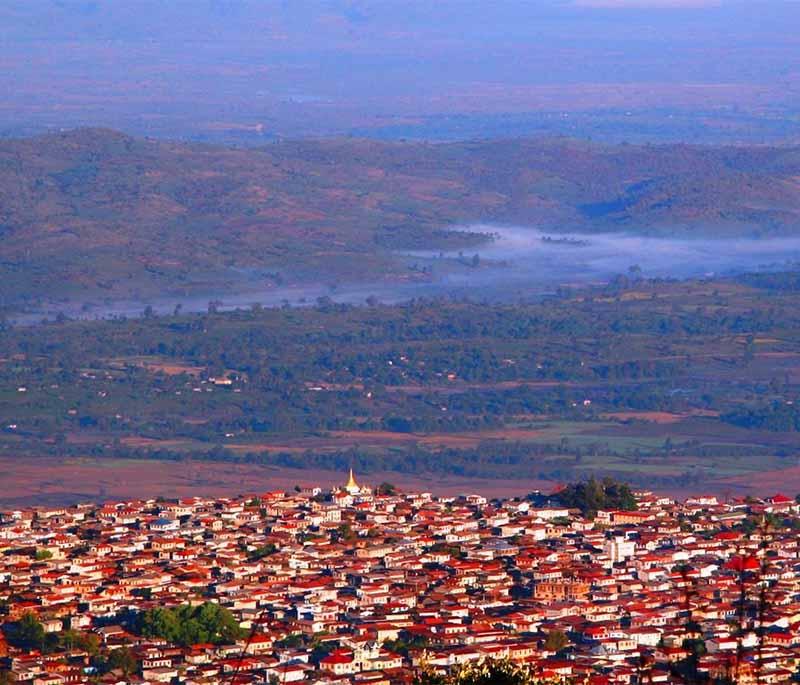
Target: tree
(484,672)
(262,551)
(186,625)
(398,424)
(292,641)
(345,532)
(556,641)
(319,650)
(122,659)
(89,642)
(43,554)
(748,526)
(324,303)
(386,488)
(29,633)
(591,495)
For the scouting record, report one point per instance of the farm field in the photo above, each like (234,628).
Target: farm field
(31,481)
(57,481)
(666,384)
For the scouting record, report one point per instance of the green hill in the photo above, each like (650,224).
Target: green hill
(92,212)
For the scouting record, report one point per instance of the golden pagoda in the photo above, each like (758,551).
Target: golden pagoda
(352,487)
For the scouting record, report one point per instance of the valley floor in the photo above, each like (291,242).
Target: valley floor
(49,481)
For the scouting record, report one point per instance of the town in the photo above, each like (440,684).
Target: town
(372,585)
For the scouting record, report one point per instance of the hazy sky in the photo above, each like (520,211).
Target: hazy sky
(290,64)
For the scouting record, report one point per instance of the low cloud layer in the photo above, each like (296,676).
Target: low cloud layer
(587,257)
(647,4)
(521,264)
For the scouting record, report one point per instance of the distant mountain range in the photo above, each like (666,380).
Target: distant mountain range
(94,211)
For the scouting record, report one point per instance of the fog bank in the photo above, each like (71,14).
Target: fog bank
(531,256)
(519,264)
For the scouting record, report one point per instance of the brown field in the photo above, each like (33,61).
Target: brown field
(465,439)
(457,386)
(661,417)
(778,355)
(33,481)
(51,481)
(701,428)
(139,441)
(174,369)
(337,440)
(155,365)
(244,448)
(649,416)
(785,481)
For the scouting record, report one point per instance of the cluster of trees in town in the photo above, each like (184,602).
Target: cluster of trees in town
(491,671)
(189,624)
(594,494)
(29,633)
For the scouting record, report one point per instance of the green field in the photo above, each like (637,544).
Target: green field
(671,383)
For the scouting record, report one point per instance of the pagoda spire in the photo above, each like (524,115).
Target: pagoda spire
(352,487)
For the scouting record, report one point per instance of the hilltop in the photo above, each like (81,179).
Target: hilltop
(94,211)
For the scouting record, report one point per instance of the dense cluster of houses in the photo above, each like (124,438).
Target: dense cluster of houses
(361,586)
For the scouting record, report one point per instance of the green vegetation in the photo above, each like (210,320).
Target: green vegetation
(77,639)
(556,641)
(292,641)
(777,416)
(648,382)
(592,495)
(28,633)
(120,659)
(96,212)
(405,642)
(261,552)
(188,625)
(485,672)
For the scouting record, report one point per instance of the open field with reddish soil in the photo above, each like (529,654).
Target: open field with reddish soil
(139,441)
(464,439)
(51,481)
(649,416)
(338,440)
(691,410)
(786,481)
(62,481)
(699,428)
(662,417)
(155,365)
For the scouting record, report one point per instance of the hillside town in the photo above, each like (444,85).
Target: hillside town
(371,585)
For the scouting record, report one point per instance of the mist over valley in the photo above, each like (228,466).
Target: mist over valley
(514,264)
(96,222)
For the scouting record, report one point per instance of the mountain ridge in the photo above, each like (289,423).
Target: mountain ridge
(93,211)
